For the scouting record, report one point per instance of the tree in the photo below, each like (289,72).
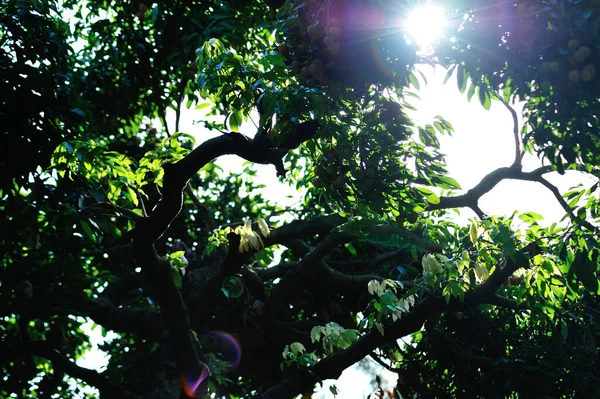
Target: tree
(110,216)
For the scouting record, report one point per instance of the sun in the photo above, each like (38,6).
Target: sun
(425,25)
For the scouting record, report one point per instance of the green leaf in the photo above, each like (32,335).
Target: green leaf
(564,330)
(461,79)
(484,97)
(351,248)
(176,255)
(88,230)
(585,271)
(235,120)
(433,199)
(473,233)
(471,92)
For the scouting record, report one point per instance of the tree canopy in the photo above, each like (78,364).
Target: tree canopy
(111,214)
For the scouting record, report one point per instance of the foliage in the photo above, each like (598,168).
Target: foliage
(115,218)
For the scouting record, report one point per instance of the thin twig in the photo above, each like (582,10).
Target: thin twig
(518,155)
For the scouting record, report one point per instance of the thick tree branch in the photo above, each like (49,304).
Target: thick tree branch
(144,322)
(332,367)
(471,198)
(149,230)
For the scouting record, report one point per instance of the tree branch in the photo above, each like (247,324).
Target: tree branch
(566,206)
(518,154)
(332,367)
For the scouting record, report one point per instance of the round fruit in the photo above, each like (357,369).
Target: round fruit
(313,69)
(304,71)
(334,48)
(412,217)
(591,68)
(328,40)
(545,67)
(339,181)
(335,31)
(282,49)
(332,170)
(296,67)
(579,56)
(573,44)
(584,51)
(554,66)
(574,76)
(545,86)
(312,31)
(586,75)
(334,22)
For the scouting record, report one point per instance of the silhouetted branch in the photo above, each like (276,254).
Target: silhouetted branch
(515,118)
(566,206)
(332,367)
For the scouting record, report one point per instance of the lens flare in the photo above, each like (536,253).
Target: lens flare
(226,346)
(191,383)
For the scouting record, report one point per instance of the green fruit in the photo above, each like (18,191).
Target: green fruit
(312,31)
(579,56)
(545,67)
(545,86)
(586,75)
(574,76)
(412,217)
(591,68)
(333,22)
(554,66)
(573,44)
(335,31)
(328,40)
(584,51)
(282,49)
(339,181)
(332,170)
(334,48)
(296,67)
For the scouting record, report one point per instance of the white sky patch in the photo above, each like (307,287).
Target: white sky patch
(426,24)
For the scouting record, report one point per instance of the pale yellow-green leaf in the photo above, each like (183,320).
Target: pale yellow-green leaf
(263,227)
(473,233)
(481,272)
(315,333)
(431,265)
(373,287)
